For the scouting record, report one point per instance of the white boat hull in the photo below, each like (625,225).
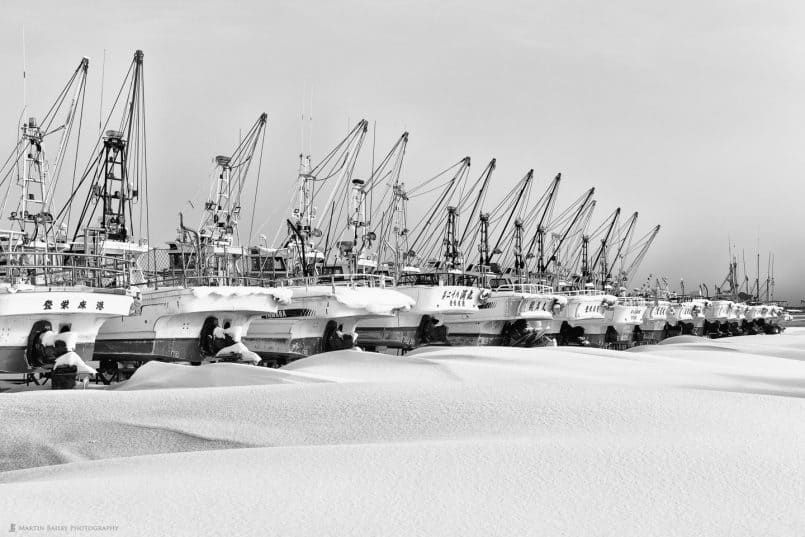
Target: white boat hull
(82,311)
(443,303)
(581,318)
(716,314)
(299,329)
(621,321)
(655,320)
(169,326)
(488,325)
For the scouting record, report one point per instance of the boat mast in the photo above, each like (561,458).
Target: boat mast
(526,181)
(220,219)
(357,222)
(304,211)
(483,246)
(485,176)
(66,127)
(218,225)
(33,177)
(582,208)
(626,237)
(36,181)
(400,227)
(585,264)
(116,172)
(452,257)
(601,254)
(425,233)
(392,220)
(643,244)
(339,161)
(539,235)
(519,264)
(757,278)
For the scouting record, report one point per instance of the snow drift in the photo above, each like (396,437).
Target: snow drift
(692,437)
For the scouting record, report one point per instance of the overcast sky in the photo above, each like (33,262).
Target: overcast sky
(690,112)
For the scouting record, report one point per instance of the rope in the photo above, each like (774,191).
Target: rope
(257,186)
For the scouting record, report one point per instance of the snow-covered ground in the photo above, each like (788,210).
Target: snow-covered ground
(690,437)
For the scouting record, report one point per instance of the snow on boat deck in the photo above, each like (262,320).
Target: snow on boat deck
(690,437)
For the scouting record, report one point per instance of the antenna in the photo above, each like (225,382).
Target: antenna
(746,274)
(372,172)
(100,105)
(24,74)
(310,118)
(772,276)
(22,114)
(757,278)
(374,143)
(302,129)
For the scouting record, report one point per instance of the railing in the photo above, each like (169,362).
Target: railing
(631,301)
(352,280)
(36,267)
(170,278)
(526,288)
(171,268)
(581,292)
(687,299)
(438,278)
(181,268)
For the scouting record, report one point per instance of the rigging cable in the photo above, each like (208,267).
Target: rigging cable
(257,186)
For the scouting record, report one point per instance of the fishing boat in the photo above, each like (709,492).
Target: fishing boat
(679,317)
(624,321)
(655,320)
(685,314)
(442,292)
(777,319)
(579,309)
(53,298)
(332,282)
(736,317)
(196,299)
(518,311)
(432,284)
(594,315)
(583,315)
(716,312)
(643,312)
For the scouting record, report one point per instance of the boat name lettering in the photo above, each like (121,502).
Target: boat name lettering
(535,305)
(65,305)
(460,294)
